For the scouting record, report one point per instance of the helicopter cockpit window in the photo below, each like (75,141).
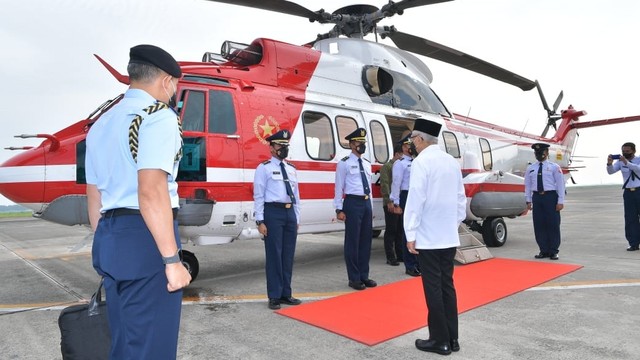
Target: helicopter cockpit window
(409,94)
(222,114)
(346,126)
(451,144)
(487,159)
(193,110)
(318,136)
(379,138)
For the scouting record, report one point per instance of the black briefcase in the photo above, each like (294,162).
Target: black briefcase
(84,330)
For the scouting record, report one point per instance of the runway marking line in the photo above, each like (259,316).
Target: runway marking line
(242,299)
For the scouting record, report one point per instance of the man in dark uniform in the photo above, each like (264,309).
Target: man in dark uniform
(133,152)
(629,165)
(353,184)
(277,211)
(393,236)
(544,192)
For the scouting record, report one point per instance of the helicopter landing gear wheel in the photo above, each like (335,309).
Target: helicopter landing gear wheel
(494,232)
(190,262)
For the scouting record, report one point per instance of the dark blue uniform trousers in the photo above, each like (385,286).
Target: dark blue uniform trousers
(546,222)
(440,293)
(144,317)
(632,216)
(280,247)
(357,237)
(410,260)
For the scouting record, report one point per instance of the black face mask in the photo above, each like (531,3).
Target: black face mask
(540,157)
(412,149)
(172,101)
(283,152)
(361,148)
(628,156)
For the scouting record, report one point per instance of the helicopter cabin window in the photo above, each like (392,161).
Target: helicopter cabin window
(451,144)
(485,148)
(318,136)
(380,146)
(346,126)
(222,114)
(81,151)
(193,110)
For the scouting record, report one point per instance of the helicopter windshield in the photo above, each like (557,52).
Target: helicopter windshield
(410,94)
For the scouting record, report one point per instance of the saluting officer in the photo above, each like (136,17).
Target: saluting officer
(277,211)
(399,191)
(353,206)
(544,191)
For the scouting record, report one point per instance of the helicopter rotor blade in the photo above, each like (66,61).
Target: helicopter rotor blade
(544,100)
(392,8)
(558,100)
(451,56)
(281,6)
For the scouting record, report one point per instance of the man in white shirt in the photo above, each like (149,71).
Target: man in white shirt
(434,211)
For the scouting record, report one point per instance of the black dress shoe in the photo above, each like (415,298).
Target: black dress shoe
(455,345)
(412,272)
(274,304)
(541,256)
(393,262)
(433,346)
(633,248)
(553,257)
(358,285)
(369,283)
(290,300)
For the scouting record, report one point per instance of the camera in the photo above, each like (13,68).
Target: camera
(615,157)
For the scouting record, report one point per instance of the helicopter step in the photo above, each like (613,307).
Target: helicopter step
(471,249)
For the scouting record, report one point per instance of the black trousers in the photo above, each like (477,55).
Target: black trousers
(437,281)
(393,235)
(632,216)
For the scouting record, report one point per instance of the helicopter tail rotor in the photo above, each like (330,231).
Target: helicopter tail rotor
(552,115)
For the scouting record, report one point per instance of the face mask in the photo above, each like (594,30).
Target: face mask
(361,148)
(283,152)
(412,149)
(172,98)
(540,157)
(628,156)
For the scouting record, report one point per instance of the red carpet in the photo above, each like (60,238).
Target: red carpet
(378,314)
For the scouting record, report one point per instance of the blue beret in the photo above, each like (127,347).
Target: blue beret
(153,55)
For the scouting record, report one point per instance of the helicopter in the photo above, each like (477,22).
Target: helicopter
(322,90)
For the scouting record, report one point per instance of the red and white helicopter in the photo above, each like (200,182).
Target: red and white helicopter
(230,102)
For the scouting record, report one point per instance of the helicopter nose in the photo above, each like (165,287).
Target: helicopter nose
(22,178)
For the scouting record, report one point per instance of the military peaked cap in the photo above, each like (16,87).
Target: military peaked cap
(153,55)
(405,140)
(359,134)
(539,147)
(281,137)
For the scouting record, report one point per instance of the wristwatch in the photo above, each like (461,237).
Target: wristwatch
(171,259)
(259,222)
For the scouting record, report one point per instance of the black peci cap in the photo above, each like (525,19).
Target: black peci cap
(153,55)
(281,137)
(427,126)
(359,134)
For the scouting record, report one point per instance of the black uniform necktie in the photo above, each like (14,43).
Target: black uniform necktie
(540,184)
(286,183)
(365,182)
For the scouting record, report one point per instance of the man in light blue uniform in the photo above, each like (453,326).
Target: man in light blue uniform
(629,165)
(544,192)
(132,159)
(399,191)
(276,206)
(353,206)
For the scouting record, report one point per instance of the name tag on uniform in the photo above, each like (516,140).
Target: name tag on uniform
(354,169)
(276,175)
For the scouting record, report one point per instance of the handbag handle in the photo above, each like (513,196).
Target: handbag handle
(96,298)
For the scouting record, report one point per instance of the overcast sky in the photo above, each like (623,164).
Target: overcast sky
(588,48)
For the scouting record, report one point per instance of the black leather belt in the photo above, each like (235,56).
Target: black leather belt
(127,211)
(359,197)
(632,189)
(280,205)
(544,192)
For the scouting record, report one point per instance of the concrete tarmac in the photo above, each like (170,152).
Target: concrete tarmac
(588,314)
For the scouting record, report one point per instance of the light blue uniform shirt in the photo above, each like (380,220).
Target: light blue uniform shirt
(348,179)
(109,164)
(401,174)
(269,186)
(632,165)
(552,179)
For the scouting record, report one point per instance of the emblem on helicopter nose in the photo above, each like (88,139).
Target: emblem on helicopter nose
(264,127)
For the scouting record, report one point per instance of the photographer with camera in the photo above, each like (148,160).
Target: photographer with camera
(629,165)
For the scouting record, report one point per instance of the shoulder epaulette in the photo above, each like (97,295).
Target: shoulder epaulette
(345,158)
(266,162)
(367,160)
(290,164)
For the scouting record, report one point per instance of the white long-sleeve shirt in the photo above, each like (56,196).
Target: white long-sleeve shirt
(437,203)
